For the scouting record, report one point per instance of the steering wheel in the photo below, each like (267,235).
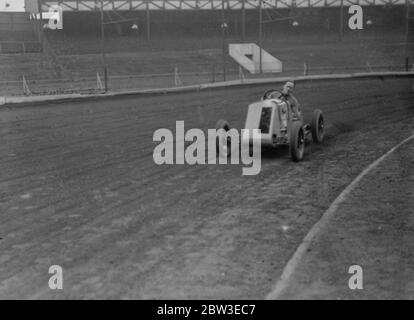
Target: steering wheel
(271,94)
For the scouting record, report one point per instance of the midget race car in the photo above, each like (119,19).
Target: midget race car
(274,117)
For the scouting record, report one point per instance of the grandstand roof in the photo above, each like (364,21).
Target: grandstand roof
(119,5)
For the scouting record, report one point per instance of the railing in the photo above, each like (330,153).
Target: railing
(20,47)
(116,83)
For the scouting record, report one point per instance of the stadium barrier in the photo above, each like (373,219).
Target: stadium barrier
(5,101)
(19,47)
(176,78)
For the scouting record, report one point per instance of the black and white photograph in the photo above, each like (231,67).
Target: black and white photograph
(206,150)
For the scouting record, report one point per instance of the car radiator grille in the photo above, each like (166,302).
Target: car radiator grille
(265,117)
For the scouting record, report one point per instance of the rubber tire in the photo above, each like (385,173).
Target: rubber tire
(222,124)
(296,152)
(317,135)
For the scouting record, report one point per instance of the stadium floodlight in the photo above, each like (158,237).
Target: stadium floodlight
(135,28)
(260,36)
(103,47)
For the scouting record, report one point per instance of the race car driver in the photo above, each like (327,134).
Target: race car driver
(287,91)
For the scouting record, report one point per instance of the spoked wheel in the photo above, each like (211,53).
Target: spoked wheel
(271,94)
(224,146)
(297,142)
(318,129)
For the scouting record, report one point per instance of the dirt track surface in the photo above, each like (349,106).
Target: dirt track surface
(79,188)
(376,233)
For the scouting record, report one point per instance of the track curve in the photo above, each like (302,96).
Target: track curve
(79,188)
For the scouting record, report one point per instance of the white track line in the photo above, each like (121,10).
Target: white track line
(292,264)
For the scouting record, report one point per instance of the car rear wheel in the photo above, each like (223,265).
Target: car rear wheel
(318,129)
(297,142)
